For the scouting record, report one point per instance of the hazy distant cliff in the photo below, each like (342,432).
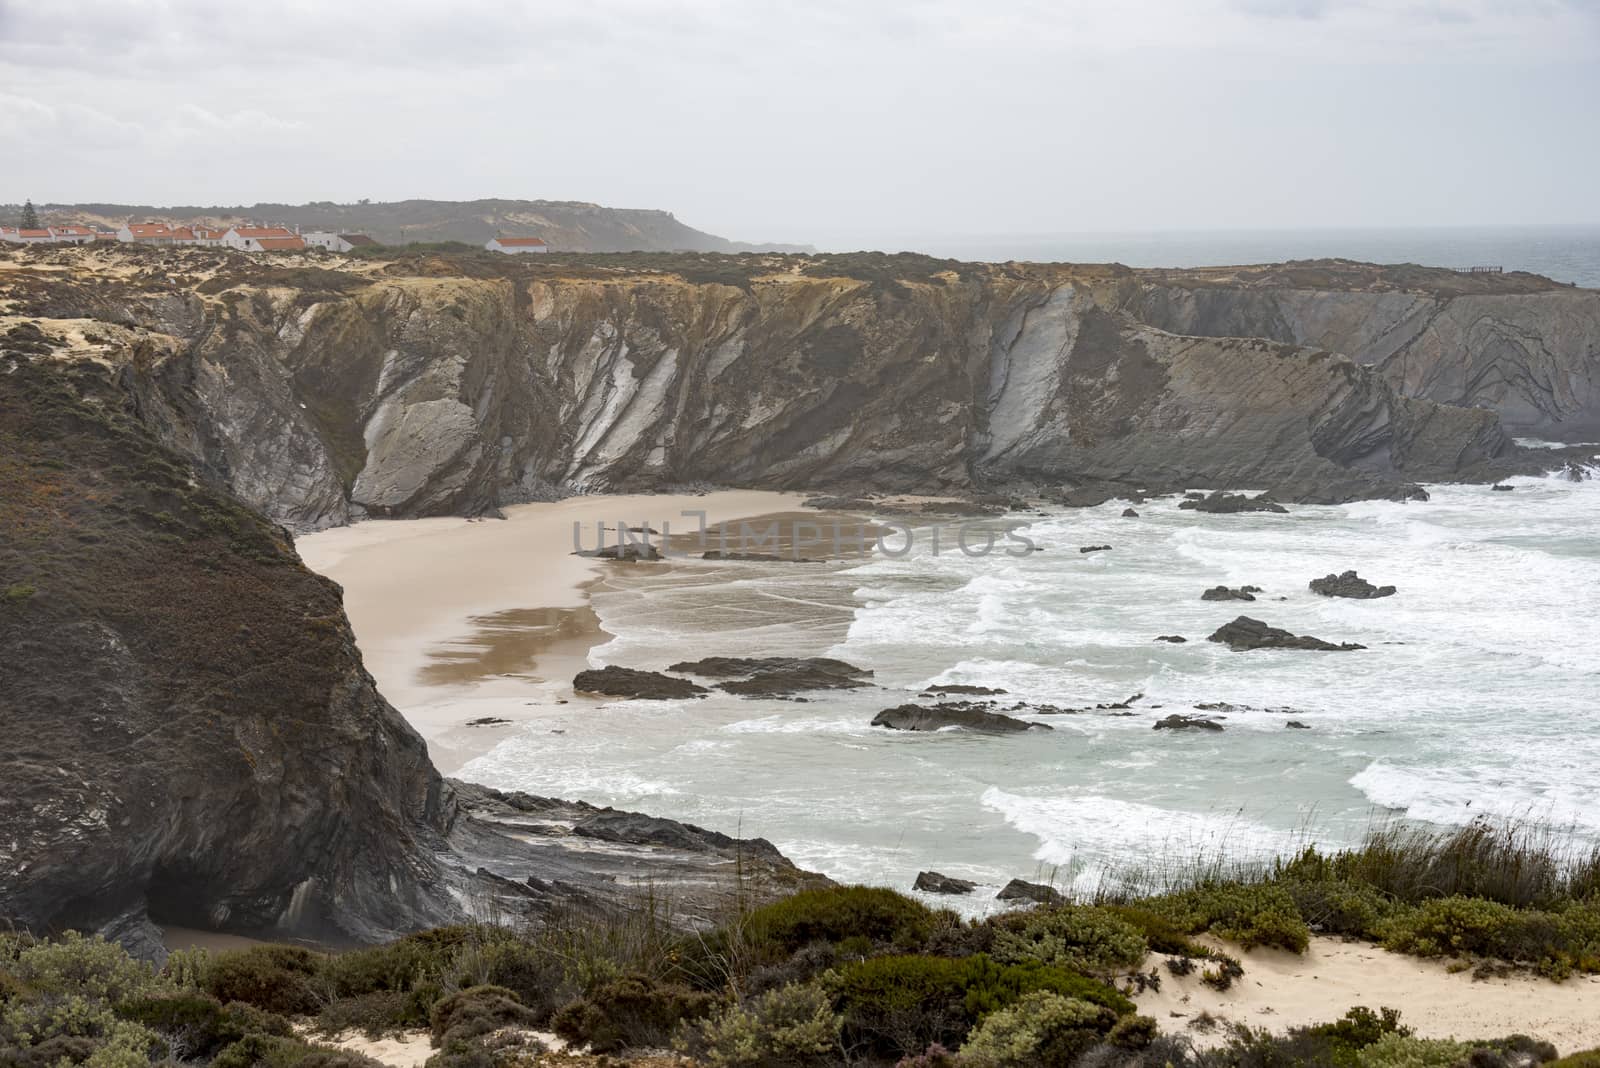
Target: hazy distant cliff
(1530,352)
(451,385)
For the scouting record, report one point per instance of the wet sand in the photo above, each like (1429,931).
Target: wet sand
(456,616)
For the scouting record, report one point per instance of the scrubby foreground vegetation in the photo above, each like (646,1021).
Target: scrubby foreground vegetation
(838,976)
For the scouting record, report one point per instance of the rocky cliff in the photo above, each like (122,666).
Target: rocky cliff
(191,737)
(323,390)
(1518,345)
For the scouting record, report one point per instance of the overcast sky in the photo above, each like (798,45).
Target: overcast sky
(837,122)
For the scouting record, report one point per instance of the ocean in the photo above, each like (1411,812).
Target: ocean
(1475,697)
(1564,253)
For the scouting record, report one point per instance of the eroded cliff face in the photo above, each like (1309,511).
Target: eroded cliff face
(1530,354)
(452,386)
(191,737)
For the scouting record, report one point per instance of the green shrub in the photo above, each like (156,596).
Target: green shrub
(1042,1030)
(629,1012)
(279,979)
(1360,1027)
(86,967)
(1341,907)
(1589,1058)
(1160,933)
(1262,914)
(477,1011)
(270,1051)
(74,1028)
(1405,1051)
(838,913)
(379,1013)
(792,1027)
(1077,937)
(900,1005)
(186,968)
(196,1027)
(1555,942)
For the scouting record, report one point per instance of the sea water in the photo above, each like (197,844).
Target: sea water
(1478,694)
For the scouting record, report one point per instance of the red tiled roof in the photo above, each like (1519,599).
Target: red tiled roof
(520,242)
(33,233)
(183,233)
(262,231)
(72,231)
(149,229)
(358,240)
(280,244)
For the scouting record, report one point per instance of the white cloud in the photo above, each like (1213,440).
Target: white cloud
(829,118)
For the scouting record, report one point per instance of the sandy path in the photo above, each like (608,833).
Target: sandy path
(1281,990)
(419,588)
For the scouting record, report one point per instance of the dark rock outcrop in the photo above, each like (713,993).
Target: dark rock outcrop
(1349,584)
(1129,513)
(1180,722)
(775,676)
(931,882)
(1226,593)
(959,689)
(965,715)
(1223,503)
(1175,639)
(613,681)
(192,738)
(1295,724)
(1245,634)
(1095,549)
(1037,893)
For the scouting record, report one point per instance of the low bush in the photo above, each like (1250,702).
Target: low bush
(1356,1030)
(899,1005)
(838,913)
(270,1051)
(1589,1058)
(1078,937)
(1252,914)
(86,967)
(70,1028)
(477,1011)
(1042,1030)
(279,979)
(1554,942)
(196,1027)
(1406,1051)
(1160,933)
(791,1027)
(630,1012)
(1341,907)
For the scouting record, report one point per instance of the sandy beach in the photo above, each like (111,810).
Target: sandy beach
(451,612)
(1280,990)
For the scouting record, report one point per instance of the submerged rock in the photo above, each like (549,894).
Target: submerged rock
(1179,722)
(962,689)
(963,714)
(931,882)
(1295,724)
(1245,634)
(631,683)
(1224,593)
(1224,503)
(1038,893)
(1095,549)
(1129,513)
(1175,639)
(1349,584)
(1503,488)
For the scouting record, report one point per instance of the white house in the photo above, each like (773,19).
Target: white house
(146,234)
(516,246)
(337,242)
(262,239)
(71,235)
(30,237)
